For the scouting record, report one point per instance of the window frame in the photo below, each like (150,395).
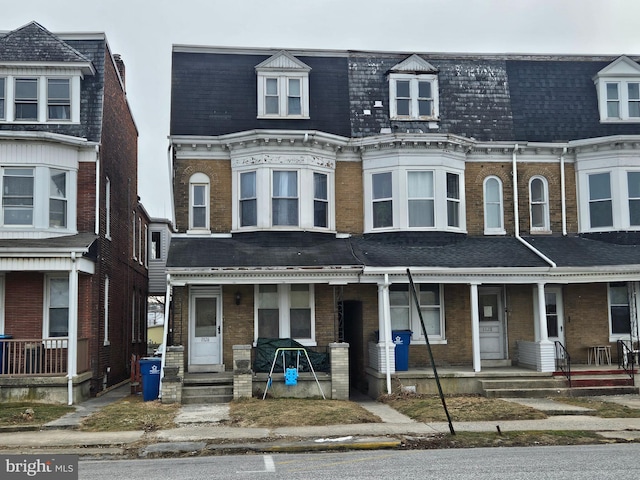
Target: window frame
(3,98)
(199,180)
(19,207)
(284,312)
(400,198)
(282,79)
(544,205)
(413,316)
(488,229)
(414,80)
(58,102)
(156,245)
(48,307)
(263,197)
(63,199)
(285,198)
(623,100)
(614,336)
(26,100)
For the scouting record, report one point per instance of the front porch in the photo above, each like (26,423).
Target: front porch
(36,369)
(507,381)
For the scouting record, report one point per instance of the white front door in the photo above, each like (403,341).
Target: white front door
(555,318)
(491,315)
(205,327)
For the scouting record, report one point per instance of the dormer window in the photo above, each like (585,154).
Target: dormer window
(618,87)
(283,87)
(413,90)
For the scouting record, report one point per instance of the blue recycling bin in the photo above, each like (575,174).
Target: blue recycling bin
(150,372)
(4,361)
(402,339)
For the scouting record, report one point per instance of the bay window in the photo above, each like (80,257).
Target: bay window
(600,202)
(285,198)
(453,200)
(18,196)
(320,200)
(382,200)
(633,182)
(421,199)
(58,198)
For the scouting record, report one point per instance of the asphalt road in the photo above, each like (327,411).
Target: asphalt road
(549,463)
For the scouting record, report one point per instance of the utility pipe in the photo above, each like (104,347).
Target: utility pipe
(563,192)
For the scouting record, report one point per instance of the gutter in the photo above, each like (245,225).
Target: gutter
(516,213)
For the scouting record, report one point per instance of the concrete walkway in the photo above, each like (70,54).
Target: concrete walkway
(204,427)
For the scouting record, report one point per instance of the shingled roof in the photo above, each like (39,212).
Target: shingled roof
(34,43)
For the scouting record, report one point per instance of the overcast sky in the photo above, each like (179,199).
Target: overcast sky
(143,31)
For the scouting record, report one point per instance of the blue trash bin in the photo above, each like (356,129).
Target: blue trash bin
(4,362)
(402,339)
(150,372)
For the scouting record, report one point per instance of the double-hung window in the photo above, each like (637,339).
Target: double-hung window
(619,310)
(618,88)
(382,200)
(539,204)
(405,316)
(199,202)
(3,96)
(285,311)
(420,198)
(320,200)
(283,87)
(58,99)
(623,100)
(600,200)
(18,196)
(58,198)
(493,211)
(453,200)
(633,181)
(58,307)
(248,200)
(284,203)
(26,99)
(413,97)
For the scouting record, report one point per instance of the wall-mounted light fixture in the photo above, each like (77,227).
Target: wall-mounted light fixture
(238,298)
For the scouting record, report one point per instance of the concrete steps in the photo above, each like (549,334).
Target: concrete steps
(203,388)
(583,384)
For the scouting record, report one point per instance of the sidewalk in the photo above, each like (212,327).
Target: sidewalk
(201,428)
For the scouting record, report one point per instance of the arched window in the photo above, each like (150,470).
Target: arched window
(493,216)
(539,204)
(199,202)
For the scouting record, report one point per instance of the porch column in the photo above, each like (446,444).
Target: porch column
(384,327)
(475,328)
(72,341)
(542,315)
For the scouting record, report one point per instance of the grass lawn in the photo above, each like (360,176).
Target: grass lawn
(19,413)
(292,412)
(602,409)
(132,413)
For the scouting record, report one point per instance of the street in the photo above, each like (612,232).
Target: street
(550,463)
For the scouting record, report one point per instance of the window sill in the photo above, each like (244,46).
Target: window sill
(620,120)
(415,119)
(540,232)
(200,231)
(495,232)
(283,117)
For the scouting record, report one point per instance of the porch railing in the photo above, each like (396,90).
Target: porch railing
(563,361)
(40,357)
(627,357)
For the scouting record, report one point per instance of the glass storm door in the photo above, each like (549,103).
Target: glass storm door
(555,320)
(491,315)
(204,337)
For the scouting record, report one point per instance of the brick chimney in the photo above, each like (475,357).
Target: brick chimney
(120,65)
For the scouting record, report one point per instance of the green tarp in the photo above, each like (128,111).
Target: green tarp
(266,349)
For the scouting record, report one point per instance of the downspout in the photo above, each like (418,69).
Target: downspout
(165,330)
(563,193)
(516,212)
(97,225)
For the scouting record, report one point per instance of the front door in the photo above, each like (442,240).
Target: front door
(205,339)
(491,315)
(555,319)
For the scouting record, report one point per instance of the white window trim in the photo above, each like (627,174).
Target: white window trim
(140,251)
(619,199)
(283,86)
(200,179)
(2,304)
(284,291)
(107,200)
(106,340)
(10,75)
(47,306)
(614,337)
(3,97)
(499,230)
(264,185)
(41,197)
(623,100)
(546,228)
(413,89)
(417,337)
(133,236)
(400,199)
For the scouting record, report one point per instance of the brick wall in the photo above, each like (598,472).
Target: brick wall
(586,313)
(24,297)
(349,201)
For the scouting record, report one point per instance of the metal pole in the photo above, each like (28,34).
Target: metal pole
(433,363)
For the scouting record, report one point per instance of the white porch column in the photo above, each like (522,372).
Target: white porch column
(475,327)
(72,342)
(384,327)
(542,315)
